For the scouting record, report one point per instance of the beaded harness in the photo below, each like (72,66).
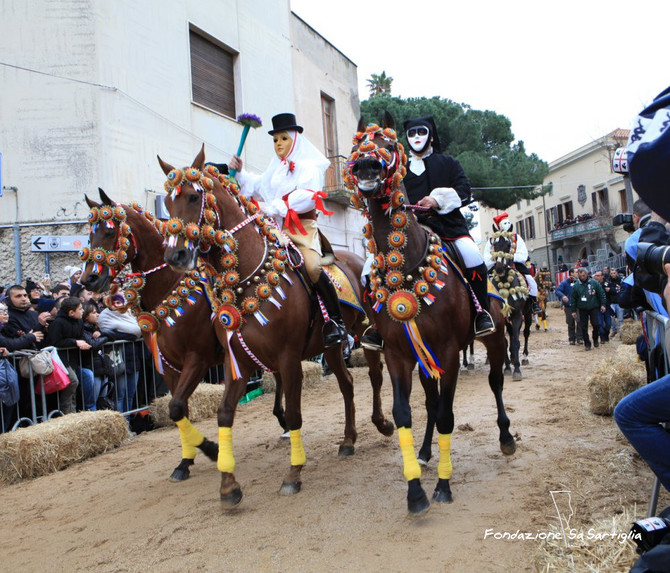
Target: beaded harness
(505,285)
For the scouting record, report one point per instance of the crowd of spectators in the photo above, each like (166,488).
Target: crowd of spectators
(573,220)
(67,316)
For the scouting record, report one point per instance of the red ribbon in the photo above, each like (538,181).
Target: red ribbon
(318,202)
(292,218)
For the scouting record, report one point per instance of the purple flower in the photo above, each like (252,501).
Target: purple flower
(250,119)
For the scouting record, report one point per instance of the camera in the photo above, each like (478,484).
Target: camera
(651,258)
(625,219)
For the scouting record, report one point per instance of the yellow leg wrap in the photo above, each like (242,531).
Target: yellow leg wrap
(191,438)
(544,323)
(412,469)
(297,450)
(444,467)
(226,461)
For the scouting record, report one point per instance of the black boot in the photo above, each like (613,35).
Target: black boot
(372,340)
(535,305)
(478,281)
(334,331)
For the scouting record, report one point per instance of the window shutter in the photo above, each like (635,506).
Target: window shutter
(212,75)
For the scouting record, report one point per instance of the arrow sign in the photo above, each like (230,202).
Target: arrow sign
(58,243)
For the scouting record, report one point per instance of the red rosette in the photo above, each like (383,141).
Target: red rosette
(119,213)
(131,295)
(162,311)
(430,275)
(182,291)
(231,278)
(210,200)
(273,278)
(229,317)
(397,239)
(124,243)
(397,199)
(84,254)
(111,259)
(207,183)
(381,295)
(122,257)
(394,259)
(230,243)
(98,255)
(394,279)
(172,301)
(192,231)
(210,216)
(399,220)
(125,229)
(219,238)
(147,322)
(390,133)
(281,254)
(93,215)
(367,231)
(106,213)
(192,174)
(190,282)
(137,282)
(402,306)
(174,226)
(278,265)
(421,288)
(380,262)
(174,178)
(250,305)
(227,296)
(207,233)
(228,260)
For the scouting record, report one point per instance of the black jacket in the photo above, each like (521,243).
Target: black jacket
(20,323)
(441,171)
(653,232)
(64,333)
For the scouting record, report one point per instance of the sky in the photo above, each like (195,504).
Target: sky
(564,73)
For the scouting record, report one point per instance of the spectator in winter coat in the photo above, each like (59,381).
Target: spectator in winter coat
(67,332)
(588,299)
(615,281)
(564,294)
(23,320)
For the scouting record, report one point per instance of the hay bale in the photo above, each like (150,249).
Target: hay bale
(630,330)
(58,443)
(203,404)
(613,379)
(607,549)
(312,373)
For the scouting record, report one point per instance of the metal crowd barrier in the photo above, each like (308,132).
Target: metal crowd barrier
(657,328)
(34,408)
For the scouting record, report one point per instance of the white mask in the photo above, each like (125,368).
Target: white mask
(417,138)
(505,225)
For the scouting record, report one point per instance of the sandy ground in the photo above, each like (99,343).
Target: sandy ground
(119,512)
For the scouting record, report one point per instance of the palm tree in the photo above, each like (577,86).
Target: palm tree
(379,83)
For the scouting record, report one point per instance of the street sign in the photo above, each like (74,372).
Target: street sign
(57,243)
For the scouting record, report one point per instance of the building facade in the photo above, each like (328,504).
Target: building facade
(572,221)
(95,90)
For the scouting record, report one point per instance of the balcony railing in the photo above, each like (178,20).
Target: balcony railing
(590,226)
(337,192)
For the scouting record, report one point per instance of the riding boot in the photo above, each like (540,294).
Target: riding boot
(334,332)
(478,281)
(372,340)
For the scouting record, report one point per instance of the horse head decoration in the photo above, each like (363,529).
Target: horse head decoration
(264,316)
(424,306)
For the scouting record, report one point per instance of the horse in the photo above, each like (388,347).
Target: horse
(424,307)
(267,319)
(468,365)
(120,235)
(518,306)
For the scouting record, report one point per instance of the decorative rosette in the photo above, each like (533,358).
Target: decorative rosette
(182,291)
(207,183)
(367,231)
(231,278)
(147,322)
(229,317)
(212,170)
(122,257)
(93,216)
(434,261)
(430,275)
(356,201)
(380,262)
(372,246)
(111,259)
(137,282)
(84,254)
(210,216)
(124,243)
(263,291)
(399,220)
(192,174)
(278,265)
(381,295)
(175,177)
(162,311)
(402,306)
(281,254)
(131,295)
(397,239)
(174,226)
(119,213)
(192,231)
(98,256)
(421,288)
(273,278)
(172,301)
(106,213)
(394,259)
(219,238)
(228,260)
(208,233)
(227,296)
(252,208)
(230,243)
(397,199)
(394,279)
(250,305)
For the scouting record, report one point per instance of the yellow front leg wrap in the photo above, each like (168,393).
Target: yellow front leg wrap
(191,438)
(226,461)
(444,467)
(297,450)
(412,469)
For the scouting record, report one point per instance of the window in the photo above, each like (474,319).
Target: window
(623,201)
(603,197)
(526,228)
(333,173)
(518,204)
(212,75)
(567,207)
(594,203)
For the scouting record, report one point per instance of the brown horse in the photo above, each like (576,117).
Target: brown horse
(518,306)
(121,235)
(268,318)
(425,309)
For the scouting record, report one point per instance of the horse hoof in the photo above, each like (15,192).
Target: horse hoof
(180,474)
(507,370)
(517,376)
(346,450)
(471,366)
(442,493)
(290,487)
(524,362)
(210,449)
(386,429)
(232,498)
(418,506)
(464,371)
(508,448)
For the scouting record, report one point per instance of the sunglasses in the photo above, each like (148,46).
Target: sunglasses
(420,131)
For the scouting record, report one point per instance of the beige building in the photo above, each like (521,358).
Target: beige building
(573,220)
(95,90)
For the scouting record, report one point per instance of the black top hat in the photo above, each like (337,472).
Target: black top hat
(284,122)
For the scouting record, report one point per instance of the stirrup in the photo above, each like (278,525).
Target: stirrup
(486,329)
(372,340)
(333,333)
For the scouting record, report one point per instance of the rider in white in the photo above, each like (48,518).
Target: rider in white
(502,223)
